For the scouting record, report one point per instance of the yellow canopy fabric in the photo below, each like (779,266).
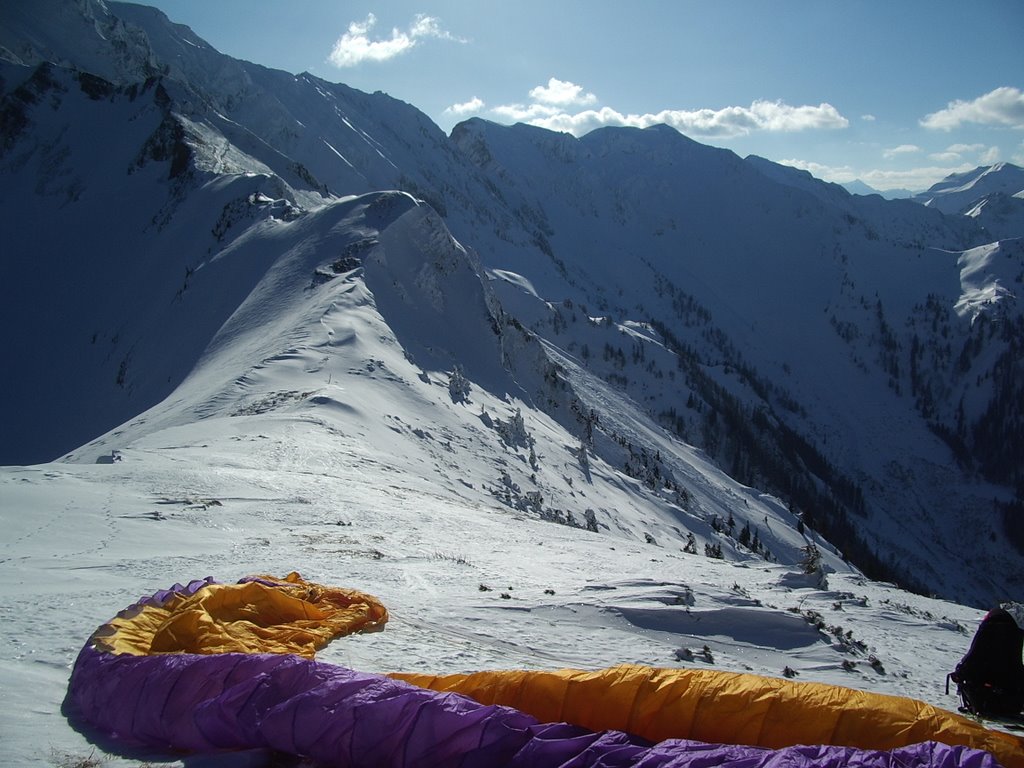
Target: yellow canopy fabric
(268,615)
(723,707)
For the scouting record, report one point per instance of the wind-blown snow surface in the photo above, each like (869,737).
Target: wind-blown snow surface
(231,496)
(234,495)
(986,276)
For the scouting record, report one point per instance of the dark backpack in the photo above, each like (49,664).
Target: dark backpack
(990,678)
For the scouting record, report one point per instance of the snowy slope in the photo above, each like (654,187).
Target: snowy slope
(1001,214)
(82,34)
(794,297)
(280,491)
(140,200)
(375,287)
(312,436)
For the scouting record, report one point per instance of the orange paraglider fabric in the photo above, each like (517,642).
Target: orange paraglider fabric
(723,707)
(260,615)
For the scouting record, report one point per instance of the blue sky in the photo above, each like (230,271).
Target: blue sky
(899,93)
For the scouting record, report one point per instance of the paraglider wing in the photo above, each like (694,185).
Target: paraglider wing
(207,667)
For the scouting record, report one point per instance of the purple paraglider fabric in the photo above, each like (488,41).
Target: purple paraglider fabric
(334,716)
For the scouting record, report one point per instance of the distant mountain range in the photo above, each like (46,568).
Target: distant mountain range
(858,187)
(992,195)
(962,193)
(754,354)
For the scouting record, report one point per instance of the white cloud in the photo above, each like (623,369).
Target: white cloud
(723,123)
(776,116)
(534,114)
(547,111)
(990,156)
(430,26)
(955,153)
(916,179)
(355,46)
(868,118)
(1002,106)
(902,149)
(838,174)
(957,158)
(1018,156)
(965,148)
(912,178)
(562,92)
(467,107)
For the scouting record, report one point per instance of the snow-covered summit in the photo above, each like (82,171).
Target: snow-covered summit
(84,34)
(959,192)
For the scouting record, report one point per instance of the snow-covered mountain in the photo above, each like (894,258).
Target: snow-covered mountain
(993,196)
(1001,215)
(859,187)
(178,220)
(959,192)
(789,304)
(557,401)
(847,354)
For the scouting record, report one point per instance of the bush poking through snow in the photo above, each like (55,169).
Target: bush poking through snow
(811,562)
(583,457)
(691,544)
(513,431)
(458,386)
(67,760)
(451,558)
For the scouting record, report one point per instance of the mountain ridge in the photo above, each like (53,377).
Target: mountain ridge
(729,299)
